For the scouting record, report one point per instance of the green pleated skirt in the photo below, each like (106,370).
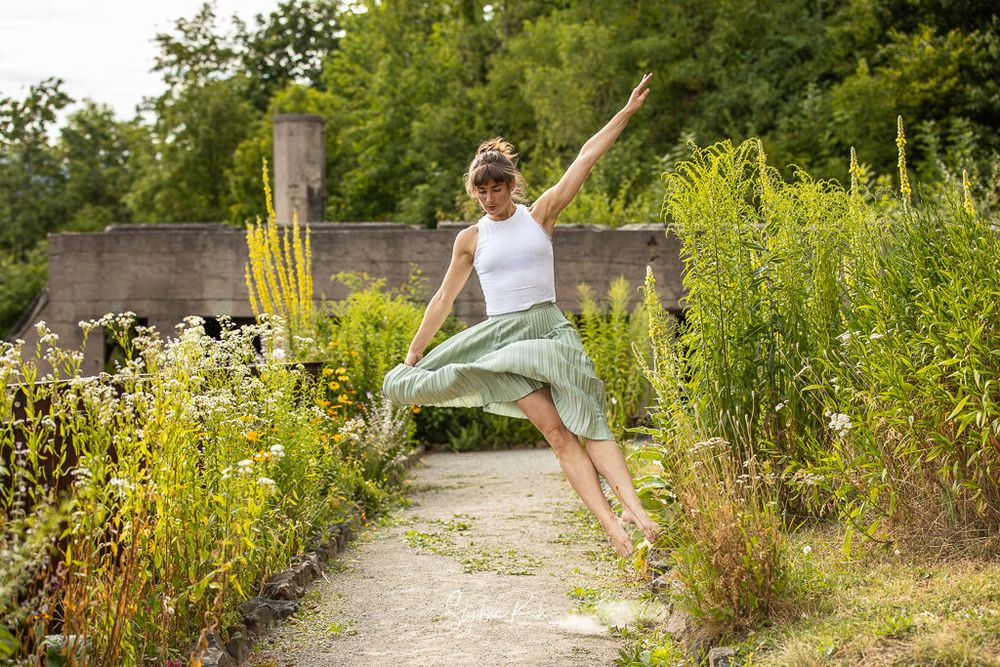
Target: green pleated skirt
(496,362)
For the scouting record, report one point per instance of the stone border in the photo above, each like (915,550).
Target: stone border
(281,591)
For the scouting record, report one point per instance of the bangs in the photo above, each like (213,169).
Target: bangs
(490,171)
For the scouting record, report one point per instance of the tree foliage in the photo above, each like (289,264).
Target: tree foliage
(408,88)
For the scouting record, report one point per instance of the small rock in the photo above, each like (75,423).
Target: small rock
(216,654)
(305,569)
(722,656)
(239,645)
(282,586)
(659,583)
(214,657)
(258,613)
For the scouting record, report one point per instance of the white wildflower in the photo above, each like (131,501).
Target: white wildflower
(278,354)
(807,549)
(277,451)
(839,423)
(120,484)
(875,336)
(265,482)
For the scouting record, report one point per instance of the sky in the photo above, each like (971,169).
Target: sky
(101,49)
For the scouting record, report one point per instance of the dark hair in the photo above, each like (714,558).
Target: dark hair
(495,161)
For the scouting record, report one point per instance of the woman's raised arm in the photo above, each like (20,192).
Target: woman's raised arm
(440,304)
(548,207)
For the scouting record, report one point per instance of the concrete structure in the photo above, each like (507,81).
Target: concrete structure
(165,272)
(299,167)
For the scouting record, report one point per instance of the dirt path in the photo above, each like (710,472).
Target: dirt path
(496,562)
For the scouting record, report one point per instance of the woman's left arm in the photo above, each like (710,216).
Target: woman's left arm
(548,207)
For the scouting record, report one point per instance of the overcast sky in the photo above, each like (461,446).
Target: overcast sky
(101,49)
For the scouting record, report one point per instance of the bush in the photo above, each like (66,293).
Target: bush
(612,338)
(724,532)
(142,506)
(847,338)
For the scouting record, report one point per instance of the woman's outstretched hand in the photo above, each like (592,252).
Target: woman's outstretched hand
(412,358)
(638,95)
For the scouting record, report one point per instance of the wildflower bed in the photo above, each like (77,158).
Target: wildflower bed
(140,507)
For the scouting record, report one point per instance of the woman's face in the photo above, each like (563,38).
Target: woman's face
(496,199)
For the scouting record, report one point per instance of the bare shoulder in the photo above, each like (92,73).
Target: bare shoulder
(540,210)
(465,241)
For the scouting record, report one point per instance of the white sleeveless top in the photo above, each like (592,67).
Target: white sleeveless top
(513,260)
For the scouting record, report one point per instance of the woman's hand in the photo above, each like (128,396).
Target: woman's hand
(412,358)
(638,95)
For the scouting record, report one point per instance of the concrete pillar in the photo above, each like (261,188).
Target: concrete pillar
(299,167)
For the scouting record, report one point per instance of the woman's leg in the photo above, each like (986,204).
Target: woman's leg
(609,462)
(575,464)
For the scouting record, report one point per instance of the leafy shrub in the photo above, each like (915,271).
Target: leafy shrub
(724,533)
(847,338)
(370,330)
(141,506)
(609,332)
(471,429)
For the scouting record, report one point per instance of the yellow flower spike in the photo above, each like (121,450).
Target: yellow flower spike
(904,179)
(857,173)
(280,268)
(765,183)
(967,204)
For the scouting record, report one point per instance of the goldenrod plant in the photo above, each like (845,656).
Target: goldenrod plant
(279,271)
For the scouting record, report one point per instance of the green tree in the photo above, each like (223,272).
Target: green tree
(199,121)
(32,182)
(94,149)
(289,46)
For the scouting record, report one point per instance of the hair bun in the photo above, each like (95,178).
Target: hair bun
(498,145)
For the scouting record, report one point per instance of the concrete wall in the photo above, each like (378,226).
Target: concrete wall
(164,272)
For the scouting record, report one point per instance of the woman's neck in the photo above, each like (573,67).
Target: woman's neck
(509,213)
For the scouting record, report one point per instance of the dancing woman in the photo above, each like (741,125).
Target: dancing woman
(526,359)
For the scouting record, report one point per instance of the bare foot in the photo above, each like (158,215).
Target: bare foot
(650,529)
(619,537)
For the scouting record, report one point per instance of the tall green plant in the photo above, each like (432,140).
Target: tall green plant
(724,535)
(764,265)
(609,331)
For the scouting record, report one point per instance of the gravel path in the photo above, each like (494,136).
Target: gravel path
(495,562)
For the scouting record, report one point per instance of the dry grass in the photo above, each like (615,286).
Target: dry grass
(884,607)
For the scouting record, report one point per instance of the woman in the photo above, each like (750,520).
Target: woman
(525,359)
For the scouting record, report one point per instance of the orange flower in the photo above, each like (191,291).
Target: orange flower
(252,436)
(415,409)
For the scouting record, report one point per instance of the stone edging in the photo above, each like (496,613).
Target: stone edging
(281,592)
